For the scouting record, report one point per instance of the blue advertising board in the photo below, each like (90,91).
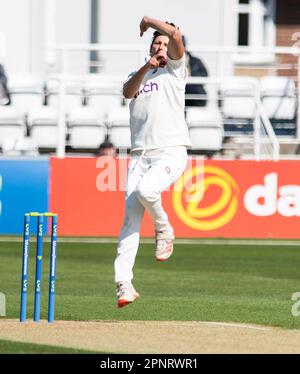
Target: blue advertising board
(23,188)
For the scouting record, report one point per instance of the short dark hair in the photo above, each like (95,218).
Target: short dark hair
(157,33)
(106,144)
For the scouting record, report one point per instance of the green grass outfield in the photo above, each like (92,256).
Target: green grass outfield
(8,347)
(208,282)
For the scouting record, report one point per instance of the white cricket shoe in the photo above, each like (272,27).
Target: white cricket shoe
(126,294)
(164,245)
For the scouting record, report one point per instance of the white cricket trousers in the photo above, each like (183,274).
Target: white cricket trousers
(150,172)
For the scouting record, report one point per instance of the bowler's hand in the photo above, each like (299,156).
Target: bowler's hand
(144,25)
(153,63)
(158,60)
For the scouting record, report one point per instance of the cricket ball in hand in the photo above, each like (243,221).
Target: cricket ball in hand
(162,61)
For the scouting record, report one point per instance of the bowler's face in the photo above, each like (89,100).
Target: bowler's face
(160,45)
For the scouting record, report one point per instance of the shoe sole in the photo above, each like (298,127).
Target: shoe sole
(165,258)
(123,302)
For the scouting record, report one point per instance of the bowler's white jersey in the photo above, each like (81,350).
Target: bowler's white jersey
(157,110)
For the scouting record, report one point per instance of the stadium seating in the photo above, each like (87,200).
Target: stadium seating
(86,129)
(238,105)
(94,111)
(23,146)
(103,95)
(73,97)
(205,128)
(119,128)
(278,96)
(42,124)
(12,124)
(26,91)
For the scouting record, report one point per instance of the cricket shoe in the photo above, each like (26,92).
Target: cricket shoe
(126,294)
(164,245)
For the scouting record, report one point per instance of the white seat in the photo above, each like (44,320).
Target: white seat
(279,97)
(26,91)
(205,128)
(9,114)
(11,123)
(86,128)
(239,98)
(119,127)
(103,94)
(102,104)
(19,147)
(73,96)
(120,136)
(23,81)
(42,122)
(42,115)
(104,84)
(87,136)
(280,108)
(81,115)
(70,100)
(119,116)
(25,101)
(271,85)
(239,107)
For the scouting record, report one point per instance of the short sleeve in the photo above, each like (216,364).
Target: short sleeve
(177,67)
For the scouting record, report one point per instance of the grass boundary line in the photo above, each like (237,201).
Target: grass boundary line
(192,241)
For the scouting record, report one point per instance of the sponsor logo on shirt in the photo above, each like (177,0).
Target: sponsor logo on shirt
(146,88)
